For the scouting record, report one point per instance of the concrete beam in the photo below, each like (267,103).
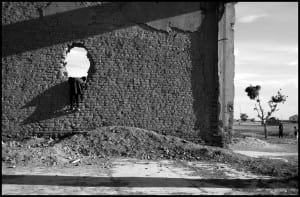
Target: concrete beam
(189,19)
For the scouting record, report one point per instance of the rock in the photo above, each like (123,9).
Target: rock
(75,161)
(6,158)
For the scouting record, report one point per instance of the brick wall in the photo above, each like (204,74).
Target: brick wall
(139,76)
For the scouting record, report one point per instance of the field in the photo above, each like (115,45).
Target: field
(249,137)
(254,129)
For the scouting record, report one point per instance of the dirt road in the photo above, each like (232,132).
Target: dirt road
(133,176)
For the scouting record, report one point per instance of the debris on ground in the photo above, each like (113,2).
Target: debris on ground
(250,142)
(97,146)
(75,161)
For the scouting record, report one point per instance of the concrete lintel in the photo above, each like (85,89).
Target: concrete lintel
(189,20)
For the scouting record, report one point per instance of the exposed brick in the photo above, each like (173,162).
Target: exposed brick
(138,77)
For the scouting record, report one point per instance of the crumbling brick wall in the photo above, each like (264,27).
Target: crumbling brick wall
(141,75)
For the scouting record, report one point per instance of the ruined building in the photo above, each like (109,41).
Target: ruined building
(162,66)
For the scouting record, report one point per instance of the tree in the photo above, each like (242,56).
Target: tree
(253,93)
(273,121)
(243,117)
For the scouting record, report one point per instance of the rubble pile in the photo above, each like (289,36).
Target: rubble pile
(250,142)
(97,146)
(138,143)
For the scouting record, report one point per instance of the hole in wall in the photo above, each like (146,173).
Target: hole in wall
(77,63)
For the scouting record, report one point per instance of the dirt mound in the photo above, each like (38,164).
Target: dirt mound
(97,145)
(106,142)
(253,142)
(135,142)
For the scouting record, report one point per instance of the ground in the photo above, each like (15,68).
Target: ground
(249,139)
(126,160)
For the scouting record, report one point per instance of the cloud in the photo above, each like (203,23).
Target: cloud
(236,52)
(281,49)
(266,46)
(267,82)
(278,80)
(247,75)
(293,63)
(250,18)
(269,54)
(244,83)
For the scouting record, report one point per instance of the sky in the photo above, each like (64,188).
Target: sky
(77,62)
(266,54)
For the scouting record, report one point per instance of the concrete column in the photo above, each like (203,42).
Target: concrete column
(226,70)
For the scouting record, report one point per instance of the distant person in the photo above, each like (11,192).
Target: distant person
(296,132)
(76,85)
(280,130)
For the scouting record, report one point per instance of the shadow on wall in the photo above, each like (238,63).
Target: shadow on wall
(52,102)
(204,81)
(82,23)
(49,104)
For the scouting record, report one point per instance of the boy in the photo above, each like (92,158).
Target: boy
(76,90)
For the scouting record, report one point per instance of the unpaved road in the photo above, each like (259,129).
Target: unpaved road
(285,149)
(132,176)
